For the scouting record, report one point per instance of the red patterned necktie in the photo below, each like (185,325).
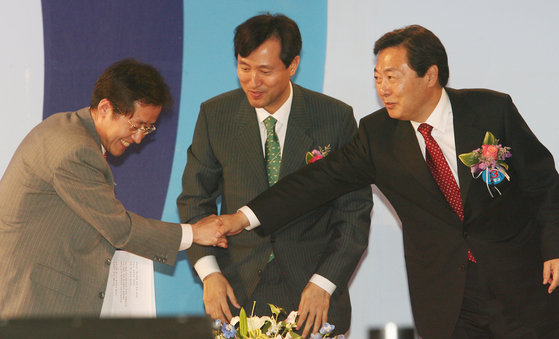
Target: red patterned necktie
(441,172)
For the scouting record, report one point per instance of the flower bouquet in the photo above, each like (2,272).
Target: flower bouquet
(253,327)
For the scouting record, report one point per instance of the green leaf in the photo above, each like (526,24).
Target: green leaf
(503,164)
(243,327)
(276,310)
(295,335)
(309,157)
(266,327)
(489,139)
(469,159)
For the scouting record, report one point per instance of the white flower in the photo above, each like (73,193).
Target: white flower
(255,323)
(273,329)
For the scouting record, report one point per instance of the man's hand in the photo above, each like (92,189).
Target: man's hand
(204,232)
(216,292)
(551,274)
(232,224)
(313,307)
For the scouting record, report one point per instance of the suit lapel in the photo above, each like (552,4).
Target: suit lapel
(406,149)
(297,142)
(466,137)
(249,143)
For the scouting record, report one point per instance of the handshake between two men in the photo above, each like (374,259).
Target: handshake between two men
(214,230)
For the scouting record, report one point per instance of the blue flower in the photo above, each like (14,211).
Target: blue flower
(216,325)
(228,331)
(316,336)
(327,328)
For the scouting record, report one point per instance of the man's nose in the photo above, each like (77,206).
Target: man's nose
(383,88)
(137,136)
(255,79)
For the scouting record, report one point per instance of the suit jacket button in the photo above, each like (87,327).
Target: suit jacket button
(466,234)
(108,262)
(102,295)
(272,239)
(462,268)
(259,273)
(164,260)
(155,258)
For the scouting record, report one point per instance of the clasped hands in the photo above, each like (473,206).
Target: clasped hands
(213,229)
(204,232)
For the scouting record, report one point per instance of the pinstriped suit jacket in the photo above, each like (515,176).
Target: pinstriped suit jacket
(60,223)
(226,160)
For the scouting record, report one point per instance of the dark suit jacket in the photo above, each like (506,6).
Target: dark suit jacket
(510,235)
(60,223)
(226,160)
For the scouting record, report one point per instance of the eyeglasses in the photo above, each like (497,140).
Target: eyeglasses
(145,129)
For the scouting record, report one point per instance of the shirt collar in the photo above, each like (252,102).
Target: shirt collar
(282,114)
(438,119)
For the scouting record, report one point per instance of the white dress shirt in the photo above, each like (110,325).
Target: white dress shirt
(443,132)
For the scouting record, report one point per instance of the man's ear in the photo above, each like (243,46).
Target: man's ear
(293,66)
(105,108)
(432,75)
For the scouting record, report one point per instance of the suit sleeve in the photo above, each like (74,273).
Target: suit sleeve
(351,220)
(345,170)
(540,182)
(81,182)
(201,184)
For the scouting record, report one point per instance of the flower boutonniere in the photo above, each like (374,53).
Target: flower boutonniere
(315,155)
(488,161)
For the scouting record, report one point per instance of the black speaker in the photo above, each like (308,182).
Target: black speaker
(89,328)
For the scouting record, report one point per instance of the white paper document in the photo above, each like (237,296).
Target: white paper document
(130,290)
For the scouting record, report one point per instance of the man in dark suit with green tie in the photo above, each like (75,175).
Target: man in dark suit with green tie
(244,141)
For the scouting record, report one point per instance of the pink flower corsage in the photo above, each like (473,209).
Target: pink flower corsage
(488,162)
(315,155)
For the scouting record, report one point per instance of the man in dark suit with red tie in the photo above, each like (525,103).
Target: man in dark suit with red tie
(475,247)
(246,139)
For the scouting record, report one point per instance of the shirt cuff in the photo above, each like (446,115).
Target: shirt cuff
(187,237)
(323,283)
(206,266)
(252,218)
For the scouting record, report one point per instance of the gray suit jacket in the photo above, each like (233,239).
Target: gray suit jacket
(60,223)
(226,161)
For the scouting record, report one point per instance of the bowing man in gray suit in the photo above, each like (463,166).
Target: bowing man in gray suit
(60,221)
(244,141)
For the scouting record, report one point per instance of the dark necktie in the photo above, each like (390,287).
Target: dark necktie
(273,156)
(441,172)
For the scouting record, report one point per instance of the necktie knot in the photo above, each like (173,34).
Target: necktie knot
(270,123)
(425,129)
